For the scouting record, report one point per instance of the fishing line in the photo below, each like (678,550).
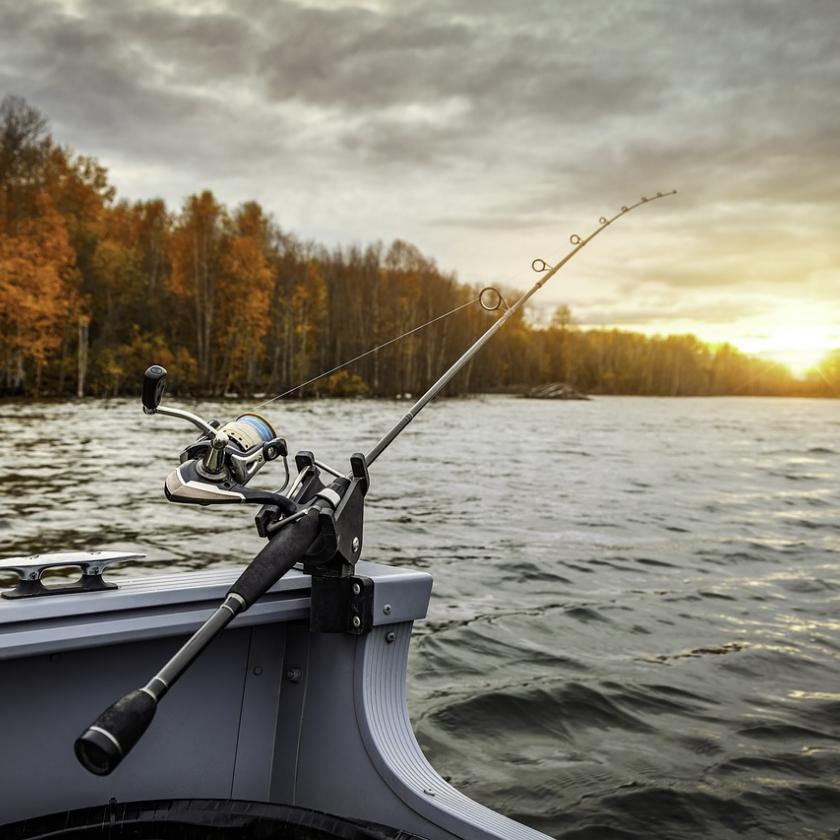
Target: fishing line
(541,267)
(483,298)
(488,303)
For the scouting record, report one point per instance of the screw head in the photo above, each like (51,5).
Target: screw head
(387,609)
(356,545)
(356,589)
(294,675)
(258,670)
(357,622)
(390,636)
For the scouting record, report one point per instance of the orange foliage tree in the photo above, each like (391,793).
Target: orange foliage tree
(196,253)
(234,303)
(36,298)
(245,297)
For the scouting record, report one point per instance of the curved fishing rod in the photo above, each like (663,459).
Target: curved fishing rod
(538,265)
(318,525)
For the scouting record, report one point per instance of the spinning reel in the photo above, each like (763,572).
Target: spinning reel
(216,467)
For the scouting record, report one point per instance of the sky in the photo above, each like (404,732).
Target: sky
(486,133)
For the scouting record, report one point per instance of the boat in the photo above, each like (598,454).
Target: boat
(276,713)
(293,722)
(289,716)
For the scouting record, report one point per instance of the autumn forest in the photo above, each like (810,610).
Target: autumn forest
(94,289)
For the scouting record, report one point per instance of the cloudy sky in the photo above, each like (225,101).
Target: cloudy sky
(486,133)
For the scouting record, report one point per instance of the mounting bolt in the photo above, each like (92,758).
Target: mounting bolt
(356,545)
(387,609)
(390,636)
(258,670)
(356,589)
(294,674)
(357,622)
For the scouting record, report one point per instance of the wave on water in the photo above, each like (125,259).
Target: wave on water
(634,625)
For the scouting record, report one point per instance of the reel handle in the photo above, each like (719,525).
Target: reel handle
(154,384)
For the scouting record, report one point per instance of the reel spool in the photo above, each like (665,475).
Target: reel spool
(239,449)
(249,430)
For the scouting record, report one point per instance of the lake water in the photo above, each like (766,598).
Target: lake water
(635,626)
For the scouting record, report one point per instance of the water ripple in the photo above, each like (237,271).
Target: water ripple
(634,628)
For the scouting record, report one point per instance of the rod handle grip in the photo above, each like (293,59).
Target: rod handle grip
(287,547)
(109,739)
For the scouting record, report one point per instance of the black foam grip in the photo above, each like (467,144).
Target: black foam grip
(284,549)
(125,722)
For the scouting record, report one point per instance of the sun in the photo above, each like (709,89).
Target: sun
(799,345)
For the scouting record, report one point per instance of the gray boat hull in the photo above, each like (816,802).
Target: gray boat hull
(271,713)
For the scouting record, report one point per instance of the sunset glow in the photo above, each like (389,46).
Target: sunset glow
(792,333)
(800,346)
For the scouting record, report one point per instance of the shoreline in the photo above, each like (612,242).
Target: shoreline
(233,398)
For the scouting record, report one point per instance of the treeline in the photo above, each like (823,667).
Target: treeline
(92,290)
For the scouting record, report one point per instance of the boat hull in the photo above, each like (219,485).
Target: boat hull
(271,713)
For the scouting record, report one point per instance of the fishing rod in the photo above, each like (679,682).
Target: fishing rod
(537,265)
(316,524)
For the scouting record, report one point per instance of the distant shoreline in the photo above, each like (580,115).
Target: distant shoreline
(228,300)
(245,399)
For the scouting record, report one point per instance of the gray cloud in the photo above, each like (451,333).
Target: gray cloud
(484,131)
